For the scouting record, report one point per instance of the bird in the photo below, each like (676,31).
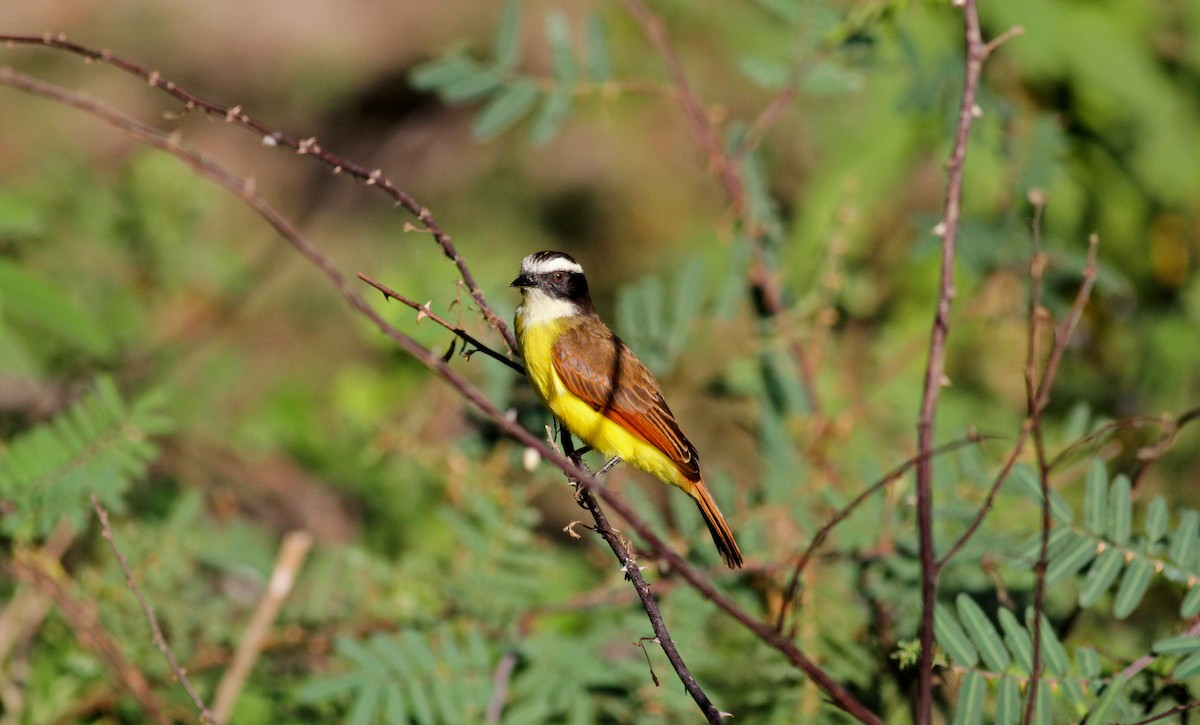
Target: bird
(595,385)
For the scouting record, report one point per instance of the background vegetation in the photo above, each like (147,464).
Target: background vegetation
(161,348)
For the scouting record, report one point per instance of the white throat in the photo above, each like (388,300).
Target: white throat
(538,308)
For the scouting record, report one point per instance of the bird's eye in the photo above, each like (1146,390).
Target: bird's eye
(559,276)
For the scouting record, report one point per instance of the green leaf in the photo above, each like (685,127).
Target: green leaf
(1018,640)
(1191,601)
(1183,541)
(1183,644)
(556,108)
(1101,576)
(328,688)
(598,57)
(1059,536)
(507,45)
(366,704)
(505,109)
(1133,587)
(439,72)
(1095,498)
(952,638)
(393,703)
(562,57)
(474,86)
(969,708)
(1076,425)
(765,71)
(1053,653)
(1028,479)
(1187,668)
(43,305)
(1105,703)
(1070,687)
(1074,557)
(1087,662)
(1120,504)
(1008,702)
(98,445)
(360,655)
(983,633)
(1042,711)
(1156,520)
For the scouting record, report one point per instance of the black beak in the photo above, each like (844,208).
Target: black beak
(523,280)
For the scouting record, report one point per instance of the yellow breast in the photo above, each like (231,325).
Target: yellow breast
(537,343)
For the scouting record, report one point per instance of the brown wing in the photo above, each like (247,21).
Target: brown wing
(596,366)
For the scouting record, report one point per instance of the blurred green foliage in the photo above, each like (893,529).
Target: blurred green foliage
(160,348)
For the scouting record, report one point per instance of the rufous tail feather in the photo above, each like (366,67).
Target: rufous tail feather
(721,534)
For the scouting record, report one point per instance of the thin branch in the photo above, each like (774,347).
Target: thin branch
(634,574)
(304,147)
(424,311)
(206,168)
(1037,269)
(790,596)
(935,370)
(1169,713)
(1148,455)
(206,716)
(287,565)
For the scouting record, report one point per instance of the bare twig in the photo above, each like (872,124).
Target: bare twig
(246,192)
(287,564)
(1169,713)
(206,716)
(304,147)
(424,311)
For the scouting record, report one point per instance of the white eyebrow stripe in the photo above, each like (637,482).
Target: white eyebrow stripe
(530,265)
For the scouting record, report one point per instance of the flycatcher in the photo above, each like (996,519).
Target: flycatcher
(598,388)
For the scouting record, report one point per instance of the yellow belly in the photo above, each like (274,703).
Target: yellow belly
(598,431)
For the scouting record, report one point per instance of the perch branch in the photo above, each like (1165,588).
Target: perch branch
(634,574)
